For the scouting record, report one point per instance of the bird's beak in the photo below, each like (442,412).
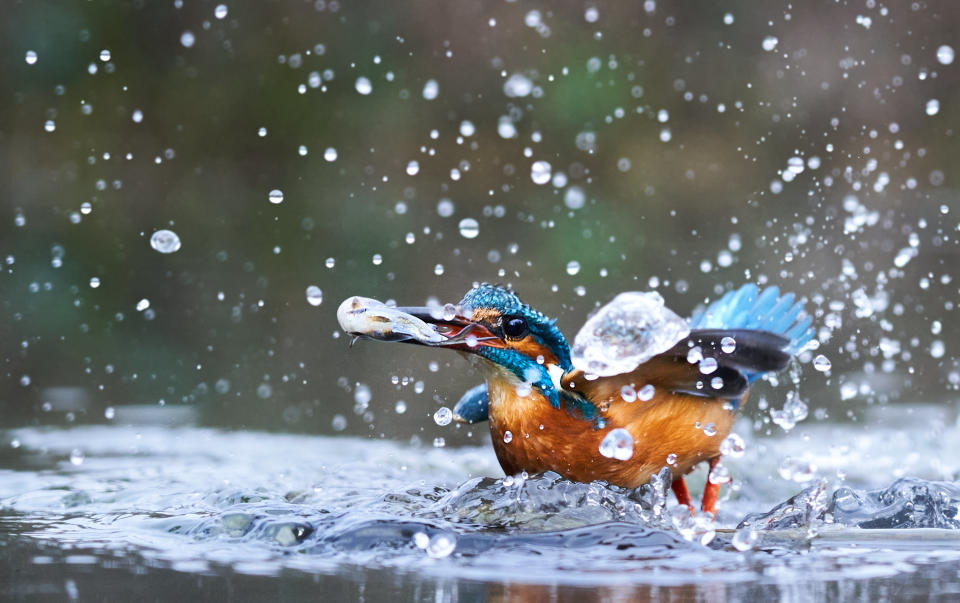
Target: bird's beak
(438,326)
(457,331)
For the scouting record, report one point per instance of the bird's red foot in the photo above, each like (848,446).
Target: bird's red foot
(711,491)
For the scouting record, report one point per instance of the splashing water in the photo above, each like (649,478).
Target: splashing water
(626,332)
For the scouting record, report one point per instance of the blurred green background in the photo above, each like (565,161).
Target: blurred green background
(692,146)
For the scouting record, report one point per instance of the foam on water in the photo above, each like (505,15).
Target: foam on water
(194,499)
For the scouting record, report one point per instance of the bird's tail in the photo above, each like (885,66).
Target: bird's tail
(748,308)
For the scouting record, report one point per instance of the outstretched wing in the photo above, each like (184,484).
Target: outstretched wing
(742,335)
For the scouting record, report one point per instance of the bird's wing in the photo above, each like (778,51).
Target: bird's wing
(680,370)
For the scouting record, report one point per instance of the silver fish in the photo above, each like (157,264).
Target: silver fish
(370,318)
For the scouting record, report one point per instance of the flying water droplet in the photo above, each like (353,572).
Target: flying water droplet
(443,416)
(945,54)
(94,282)
(165,241)
(540,172)
(469,228)
(31,57)
(430,90)
(628,394)
(573,267)
(933,106)
(441,545)
(728,345)
(363,85)
(76,457)
(646,393)
(275,196)
(822,363)
(719,475)
(507,437)
(769,43)
(330,154)
(618,444)
(314,295)
(732,446)
(710,429)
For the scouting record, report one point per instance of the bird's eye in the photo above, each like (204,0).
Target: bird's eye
(514,327)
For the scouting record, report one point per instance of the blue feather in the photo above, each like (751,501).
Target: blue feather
(474,406)
(747,308)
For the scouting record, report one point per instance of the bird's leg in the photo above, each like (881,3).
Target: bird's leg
(710,491)
(679,488)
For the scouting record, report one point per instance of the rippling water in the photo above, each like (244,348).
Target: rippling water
(201,510)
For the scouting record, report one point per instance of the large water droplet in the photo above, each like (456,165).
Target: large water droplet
(363,85)
(469,228)
(732,446)
(443,416)
(275,196)
(618,444)
(540,172)
(314,295)
(822,363)
(945,54)
(431,89)
(165,241)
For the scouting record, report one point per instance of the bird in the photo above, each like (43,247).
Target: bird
(546,415)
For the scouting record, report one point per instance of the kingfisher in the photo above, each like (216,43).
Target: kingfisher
(546,415)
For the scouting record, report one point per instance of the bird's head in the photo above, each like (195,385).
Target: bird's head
(493,323)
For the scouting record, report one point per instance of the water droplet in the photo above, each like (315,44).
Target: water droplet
(517,86)
(708,365)
(330,262)
(105,55)
(314,295)
(275,196)
(438,269)
(400,407)
(165,241)
(672,459)
(86,208)
(441,545)
(769,43)
(187,39)
(618,444)
(540,172)
(573,267)
(339,422)
(469,228)
(694,355)
(710,429)
(439,442)
(431,89)
(822,363)
(507,437)
(719,475)
(646,393)
(728,19)
(76,457)
(94,282)
(628,394)
(137,116)
(25,381)
(716,383)
(443,416)
(796,165)
(933,106)
(665,135)
(732,446)
(591,14)
(377,259)
(264,391)
(302,150)
(506,127)
(143,304)
(745,539)
(330,154)
(945,55)
(220,12)
(467,128)
(413,168)
(797,470)
(728,345)
(445,208)
(363,86)
(31,57)
(574,198)
(49,126)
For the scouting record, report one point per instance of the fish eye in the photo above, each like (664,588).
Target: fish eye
(514,327)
